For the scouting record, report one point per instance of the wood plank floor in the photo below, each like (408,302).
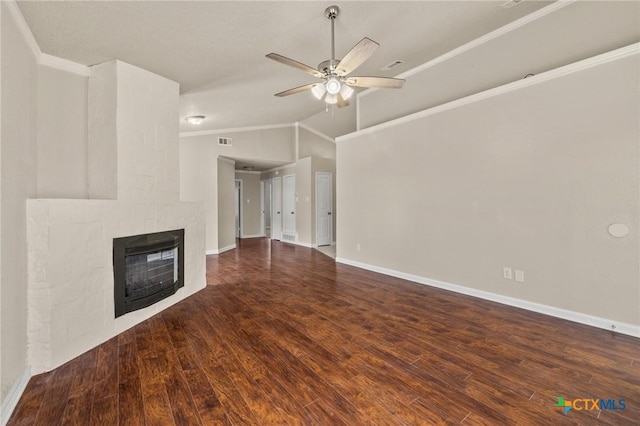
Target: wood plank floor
(283,335)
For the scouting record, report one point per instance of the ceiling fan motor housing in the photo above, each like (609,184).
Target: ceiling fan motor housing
(329,66)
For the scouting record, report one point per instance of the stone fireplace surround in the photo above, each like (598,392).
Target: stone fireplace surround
(133,168)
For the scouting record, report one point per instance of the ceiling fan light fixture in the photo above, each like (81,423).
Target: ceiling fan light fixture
(318,90)
(331,99)
(333,86)
(195,120)
(346,92)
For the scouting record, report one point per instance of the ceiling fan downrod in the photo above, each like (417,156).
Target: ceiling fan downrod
(332,13)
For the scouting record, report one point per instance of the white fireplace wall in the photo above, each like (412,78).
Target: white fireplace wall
(133,172)
(71,282)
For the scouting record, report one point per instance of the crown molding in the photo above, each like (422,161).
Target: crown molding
(24,29)
(64,65)
(234,130)
(315,132)
(479,41)
(248,172)
(621,53)
(43,59)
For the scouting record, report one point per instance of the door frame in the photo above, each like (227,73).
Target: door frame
(239,210)
(290,198)
(331,209)
(276,217)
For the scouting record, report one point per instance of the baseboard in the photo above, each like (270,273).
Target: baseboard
(300,243)
(603,323)
(254,236)
(222,250)
(16,391)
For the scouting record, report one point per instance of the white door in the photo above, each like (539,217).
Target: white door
(289,207)
(276,208)
(324,209)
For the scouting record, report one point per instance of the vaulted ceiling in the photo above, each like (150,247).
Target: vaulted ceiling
(216,49)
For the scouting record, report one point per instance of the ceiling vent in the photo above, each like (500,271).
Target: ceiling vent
(224,141)
(511,3)
(392,65)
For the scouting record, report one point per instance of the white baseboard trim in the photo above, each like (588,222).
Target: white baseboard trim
(10,402)
(222,250)
(254,236)
(300,243)
(603,323)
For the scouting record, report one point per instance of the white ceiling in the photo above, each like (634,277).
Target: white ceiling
(216,49)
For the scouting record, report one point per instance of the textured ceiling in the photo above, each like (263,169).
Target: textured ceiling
(216,49)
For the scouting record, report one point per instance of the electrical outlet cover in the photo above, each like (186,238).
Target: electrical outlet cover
(507,273)
(519,276)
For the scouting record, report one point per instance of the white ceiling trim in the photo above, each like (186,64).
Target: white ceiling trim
(24,29)
(249,172)
(64,65)
(478,42)
(315,132)
(42,58)
(621,53)
(234,130)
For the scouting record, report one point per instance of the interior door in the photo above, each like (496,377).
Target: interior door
(289,205)
(276,208)
(324,209)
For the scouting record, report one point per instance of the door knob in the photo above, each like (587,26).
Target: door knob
(292,212)
(329,213)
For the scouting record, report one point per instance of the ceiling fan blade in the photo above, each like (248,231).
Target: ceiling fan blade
(299,65)
(296,90)
(382,82)
(342,102)
(356,56)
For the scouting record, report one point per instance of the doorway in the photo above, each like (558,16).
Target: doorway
(238,207)
(265,195)
(324,208)
(276,208)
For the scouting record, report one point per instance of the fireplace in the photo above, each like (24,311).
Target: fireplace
(146,269)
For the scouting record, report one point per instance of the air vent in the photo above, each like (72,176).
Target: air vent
(224,141)
(288,237)
(511,3)
(393,65)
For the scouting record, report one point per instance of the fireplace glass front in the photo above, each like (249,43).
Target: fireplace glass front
(147,268)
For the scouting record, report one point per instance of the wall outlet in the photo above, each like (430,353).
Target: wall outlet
(519,276)
(358,247)
(507,273)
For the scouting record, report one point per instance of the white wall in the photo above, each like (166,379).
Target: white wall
(18,180)
(70,242)
(530,179)
(199,170)
(555,39)
(335,122)
(311,144)
(62,134)
(226,207)
(199,182)
(251,207)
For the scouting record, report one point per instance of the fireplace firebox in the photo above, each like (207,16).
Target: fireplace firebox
(146,269)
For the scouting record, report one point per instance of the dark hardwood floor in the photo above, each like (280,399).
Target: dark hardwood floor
(283,335)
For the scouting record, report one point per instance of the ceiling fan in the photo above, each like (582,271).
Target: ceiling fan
(336,87)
